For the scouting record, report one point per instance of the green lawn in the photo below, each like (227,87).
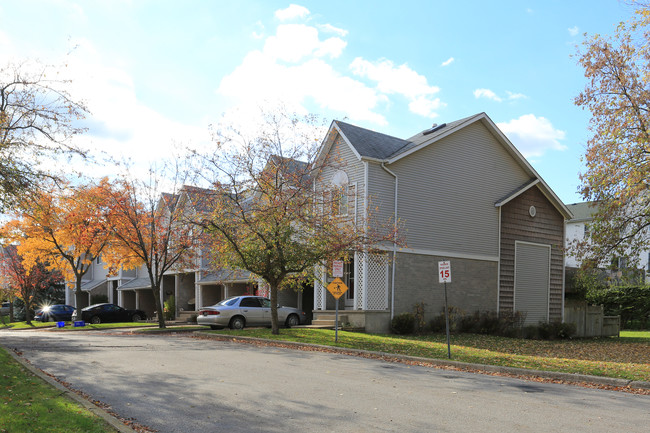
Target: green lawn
(27,404)
(69,326)
(627,357)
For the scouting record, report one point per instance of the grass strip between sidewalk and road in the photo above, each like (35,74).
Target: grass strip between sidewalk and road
(625,357)
(27,404)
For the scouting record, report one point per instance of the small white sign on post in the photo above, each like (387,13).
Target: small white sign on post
(337,268)
(444,272)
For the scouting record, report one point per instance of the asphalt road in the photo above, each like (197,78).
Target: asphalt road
(181,384)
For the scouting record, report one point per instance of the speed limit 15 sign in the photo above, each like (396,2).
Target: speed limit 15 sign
(444,272)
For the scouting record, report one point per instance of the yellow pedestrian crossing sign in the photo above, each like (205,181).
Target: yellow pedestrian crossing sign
(337,288)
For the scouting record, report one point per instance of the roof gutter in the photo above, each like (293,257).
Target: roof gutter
(392,283)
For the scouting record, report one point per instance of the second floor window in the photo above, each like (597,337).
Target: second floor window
(344,200)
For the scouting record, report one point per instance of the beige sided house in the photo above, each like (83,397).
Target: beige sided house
(464,193)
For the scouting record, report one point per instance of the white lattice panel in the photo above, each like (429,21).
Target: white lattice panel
(376,281)
(319,289)
(359,263)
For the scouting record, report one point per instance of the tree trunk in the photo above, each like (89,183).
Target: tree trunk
(79,301)
(28,307)
(275,327)
(159,307)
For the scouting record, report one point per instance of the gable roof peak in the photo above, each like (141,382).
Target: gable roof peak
(368,143)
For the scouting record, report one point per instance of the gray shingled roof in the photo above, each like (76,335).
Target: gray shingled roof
(225,276)
(420,137)
(136,283)
(381,146)
(369,143)
(582,211)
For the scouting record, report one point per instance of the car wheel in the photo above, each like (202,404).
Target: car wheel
(237,322)
(136,318)
(293,320)
(95,320)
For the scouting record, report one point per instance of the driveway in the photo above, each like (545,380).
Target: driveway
(181,384)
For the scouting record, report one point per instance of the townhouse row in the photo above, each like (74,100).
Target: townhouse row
(461,191)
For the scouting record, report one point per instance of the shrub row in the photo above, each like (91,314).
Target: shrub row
(632,303)
(486,322)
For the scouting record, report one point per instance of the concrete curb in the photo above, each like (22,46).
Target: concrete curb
(466,366)
(110,419)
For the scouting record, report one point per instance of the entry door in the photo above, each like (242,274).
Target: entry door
(532,281)
(349,278)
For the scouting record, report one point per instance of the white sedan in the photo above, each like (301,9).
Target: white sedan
(241,311)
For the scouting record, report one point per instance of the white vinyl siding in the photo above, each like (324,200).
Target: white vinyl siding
(447,192)
(381,195)
(532,281)
(341,157)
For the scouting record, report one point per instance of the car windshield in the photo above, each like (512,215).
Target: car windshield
(228,302)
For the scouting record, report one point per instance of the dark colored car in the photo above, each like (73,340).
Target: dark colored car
(107,313)
(55,313)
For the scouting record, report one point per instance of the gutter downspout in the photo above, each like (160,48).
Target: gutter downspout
(392,283)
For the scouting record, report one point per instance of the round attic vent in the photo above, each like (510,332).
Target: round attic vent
(340,179)
(532,211)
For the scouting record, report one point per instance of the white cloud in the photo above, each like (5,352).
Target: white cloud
(448,62)
(426,107)
(293,11)
(514,96)
(293,42)
(487,94)
(293,67)
(532,135)
(400,80)
(573,31)
(120,125)
(258,34)
(328,28)
(260,78)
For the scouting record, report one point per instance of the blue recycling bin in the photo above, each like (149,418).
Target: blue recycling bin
(60,324)
(78,323)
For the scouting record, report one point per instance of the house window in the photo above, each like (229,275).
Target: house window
(344,200)
(98,260)
(586,235)
(341,201)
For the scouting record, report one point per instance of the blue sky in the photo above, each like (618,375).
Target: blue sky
(156,73)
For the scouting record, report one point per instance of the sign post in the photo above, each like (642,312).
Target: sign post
(444,276)
(337,288)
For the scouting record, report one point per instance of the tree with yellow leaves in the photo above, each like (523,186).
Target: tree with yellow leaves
(268,218)
(617,159)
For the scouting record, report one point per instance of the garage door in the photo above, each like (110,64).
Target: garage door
(532,280)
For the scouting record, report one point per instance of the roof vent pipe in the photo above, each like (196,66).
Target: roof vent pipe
(434,128)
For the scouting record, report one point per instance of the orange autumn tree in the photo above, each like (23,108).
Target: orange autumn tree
(151,228)
(25,283)
(268,218)
(64,226)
